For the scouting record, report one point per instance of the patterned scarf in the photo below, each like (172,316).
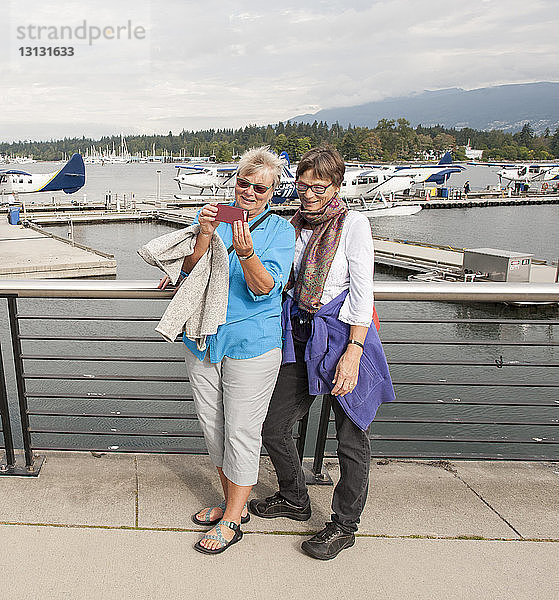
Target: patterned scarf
(317,258)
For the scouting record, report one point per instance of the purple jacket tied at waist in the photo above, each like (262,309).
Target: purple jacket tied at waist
(325,347)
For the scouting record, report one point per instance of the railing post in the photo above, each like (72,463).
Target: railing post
(20,382)
(5,420)
(317,476)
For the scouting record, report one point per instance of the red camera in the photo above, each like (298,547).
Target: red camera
(230,214)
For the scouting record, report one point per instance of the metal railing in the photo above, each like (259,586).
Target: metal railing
(106,409)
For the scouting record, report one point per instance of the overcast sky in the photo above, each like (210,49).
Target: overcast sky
(220,63)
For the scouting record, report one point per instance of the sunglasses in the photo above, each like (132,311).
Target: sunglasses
(316,189)
(259,188)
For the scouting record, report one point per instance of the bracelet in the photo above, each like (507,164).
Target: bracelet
(246,257)
(356,343)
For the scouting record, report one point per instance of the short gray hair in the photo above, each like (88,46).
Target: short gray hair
(261,159)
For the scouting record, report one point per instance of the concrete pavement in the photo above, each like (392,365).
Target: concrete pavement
(118,526)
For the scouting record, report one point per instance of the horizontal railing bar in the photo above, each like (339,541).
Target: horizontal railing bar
(384,320)
(396,454)
(459,342)
(461,421)
(39,338)
(454,456)
(105,358)
(102,396)
(477,383)
(119,415)
(449,438)
(125,450)
(87,377)
(456,440)
(502,321)
(378,419)
(99,338)
(473,363)
(384,290)
(86,318)
(186,434)
(156,398)
(100,377)
(482,402)
(163,359)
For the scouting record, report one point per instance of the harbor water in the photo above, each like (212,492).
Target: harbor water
(424,392)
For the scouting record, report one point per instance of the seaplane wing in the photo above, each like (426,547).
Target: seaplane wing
(438,173)
(523,172)
(70,178)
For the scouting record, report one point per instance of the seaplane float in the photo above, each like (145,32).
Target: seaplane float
(69,179)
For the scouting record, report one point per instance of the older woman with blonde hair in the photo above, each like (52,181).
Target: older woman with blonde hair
(234,377)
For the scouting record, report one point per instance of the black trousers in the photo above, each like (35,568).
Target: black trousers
(290,402)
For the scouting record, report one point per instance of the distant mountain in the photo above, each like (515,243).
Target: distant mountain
(506,107)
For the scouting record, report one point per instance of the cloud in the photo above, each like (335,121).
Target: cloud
(224,63)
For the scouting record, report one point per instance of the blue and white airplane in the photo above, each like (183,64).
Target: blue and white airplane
(219,180)
(375,181)
(69,179)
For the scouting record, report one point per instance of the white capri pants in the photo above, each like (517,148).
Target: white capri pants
(231,398)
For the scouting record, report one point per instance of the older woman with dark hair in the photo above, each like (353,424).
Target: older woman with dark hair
(234,376)
(331,348)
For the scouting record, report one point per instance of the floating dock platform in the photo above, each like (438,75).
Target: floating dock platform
(31,253)
(416,257)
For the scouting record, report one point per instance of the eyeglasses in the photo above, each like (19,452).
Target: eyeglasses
(259,188)
(316,189)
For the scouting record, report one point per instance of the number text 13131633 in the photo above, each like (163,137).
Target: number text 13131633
(46,51)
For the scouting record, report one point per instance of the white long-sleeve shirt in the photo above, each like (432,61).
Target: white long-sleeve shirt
(352,268)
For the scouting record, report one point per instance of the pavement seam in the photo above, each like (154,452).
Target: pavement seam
(490,507)
(275,533)
(450,468)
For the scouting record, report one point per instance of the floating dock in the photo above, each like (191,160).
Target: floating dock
(416,257)
(31,253)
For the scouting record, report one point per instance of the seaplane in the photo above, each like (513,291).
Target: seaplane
(219,180)
(69,179)
(524,173)
(372,182)
(206,179)
(373,188)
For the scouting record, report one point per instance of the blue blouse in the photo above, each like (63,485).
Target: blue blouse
(253,323)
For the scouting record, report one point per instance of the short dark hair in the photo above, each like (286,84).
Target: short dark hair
(325,162)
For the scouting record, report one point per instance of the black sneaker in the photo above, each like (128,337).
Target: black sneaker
(328,543)
(277,506)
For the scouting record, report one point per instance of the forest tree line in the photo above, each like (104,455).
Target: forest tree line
(390,140)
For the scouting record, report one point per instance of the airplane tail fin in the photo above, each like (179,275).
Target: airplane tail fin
(446,159)
(285,157)
(70,178)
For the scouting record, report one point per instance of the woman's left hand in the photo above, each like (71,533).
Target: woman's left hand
(347,371)
(242,240)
